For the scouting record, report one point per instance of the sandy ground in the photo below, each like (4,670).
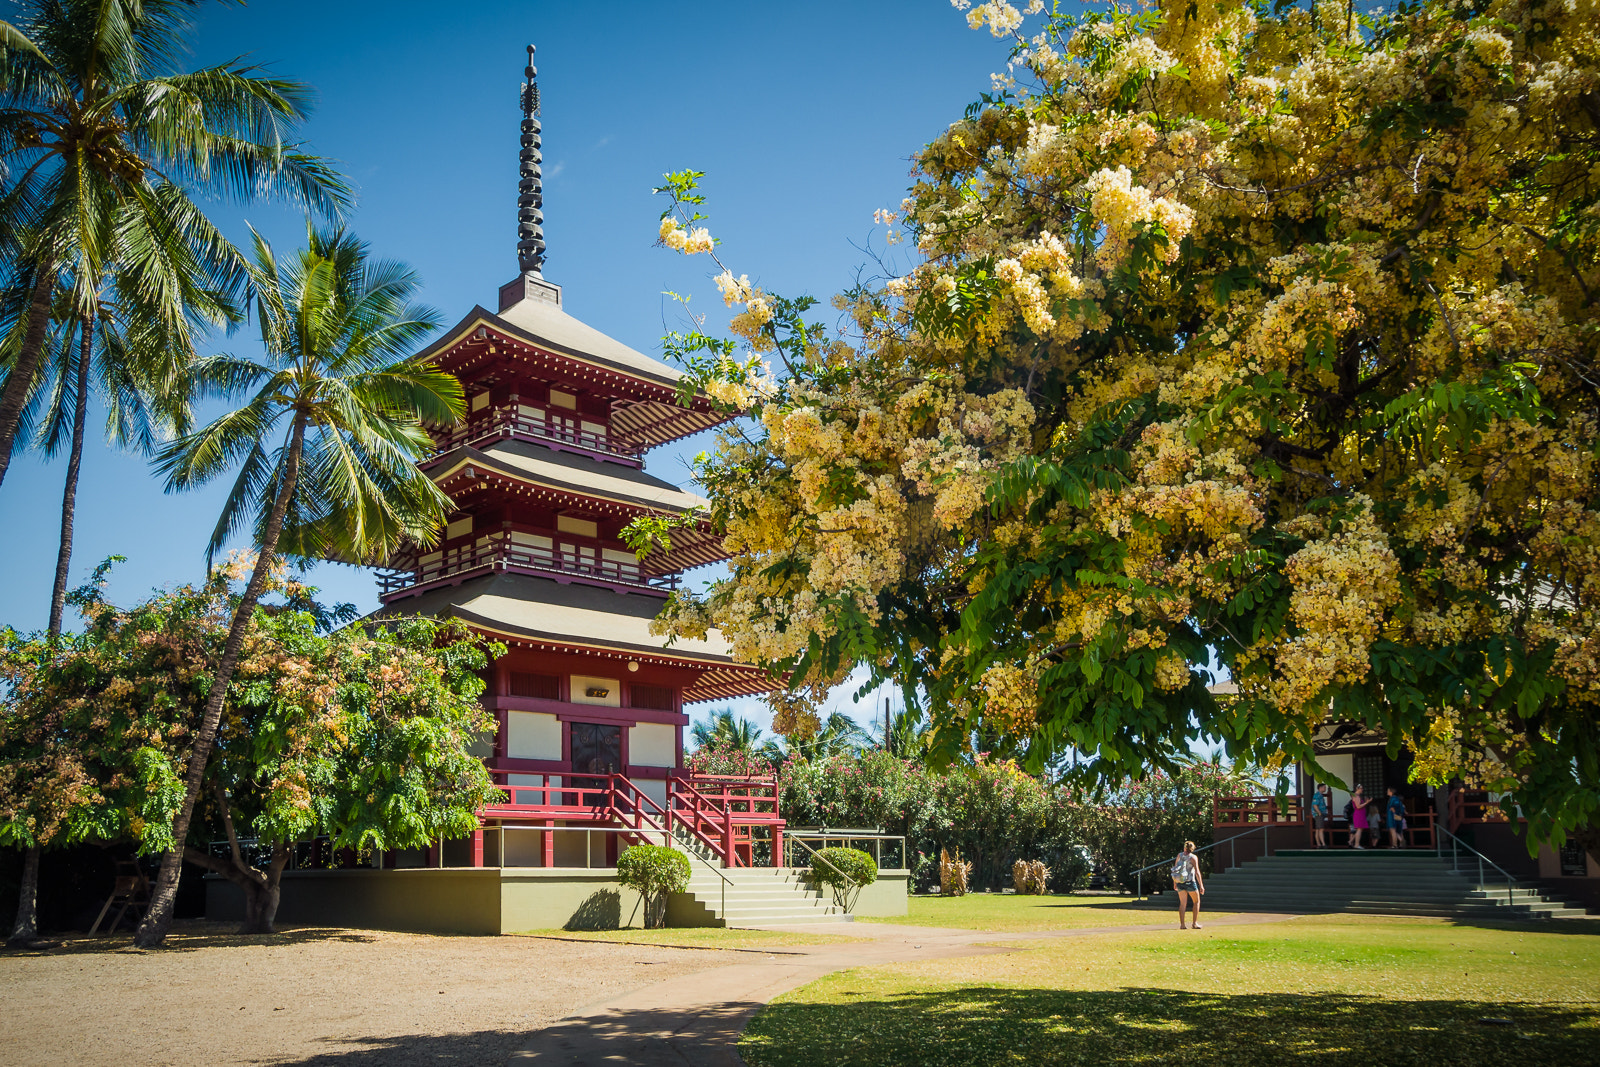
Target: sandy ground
(310,996)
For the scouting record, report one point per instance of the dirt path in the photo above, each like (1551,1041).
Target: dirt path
(673,1024)
(352,998)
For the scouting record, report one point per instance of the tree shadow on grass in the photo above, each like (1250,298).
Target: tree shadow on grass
(1148,1026)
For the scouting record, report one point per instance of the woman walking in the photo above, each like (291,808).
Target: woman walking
(1394,817)
(1319,816)
(1358,817)
(1188,883)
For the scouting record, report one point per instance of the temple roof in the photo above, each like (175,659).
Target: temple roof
(583,618)
(583,475)
(536,338)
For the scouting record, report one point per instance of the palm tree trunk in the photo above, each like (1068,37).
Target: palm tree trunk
(26,927)
(27,364)
(157,920)
(69,496)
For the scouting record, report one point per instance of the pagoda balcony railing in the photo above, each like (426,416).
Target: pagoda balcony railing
(500,551)
(724,816)
(507,420)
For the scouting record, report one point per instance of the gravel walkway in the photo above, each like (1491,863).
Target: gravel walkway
(353,998)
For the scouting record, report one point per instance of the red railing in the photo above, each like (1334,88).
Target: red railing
(1256,811)
(505,420)
(1295,811)
(497,550)
(723,821)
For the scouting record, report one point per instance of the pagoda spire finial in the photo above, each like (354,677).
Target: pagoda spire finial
(530,199)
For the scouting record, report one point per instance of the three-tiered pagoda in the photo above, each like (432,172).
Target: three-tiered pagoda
(544,472)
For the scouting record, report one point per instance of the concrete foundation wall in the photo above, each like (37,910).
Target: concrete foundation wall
(886,896)
(451,901)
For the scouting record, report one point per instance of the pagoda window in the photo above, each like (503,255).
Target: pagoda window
(559,399)
(578,557)
(620,564)
(480,401)
(459,528)
(535,686)
(654,697)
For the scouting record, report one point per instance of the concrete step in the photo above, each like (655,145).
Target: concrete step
(1372,882)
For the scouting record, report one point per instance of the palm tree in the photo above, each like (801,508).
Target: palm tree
(326,442)
(96,125)
(722,728)
(840,735)
(112,334)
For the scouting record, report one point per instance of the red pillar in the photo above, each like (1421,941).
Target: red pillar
(549,844)
(777,846)
(477,847)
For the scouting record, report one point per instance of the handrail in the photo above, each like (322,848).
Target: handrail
(701,808)
(1264,830)
(847,879)
(877,837)
(1455,867)
(636,794)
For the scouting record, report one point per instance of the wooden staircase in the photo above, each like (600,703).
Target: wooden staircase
(1373,881)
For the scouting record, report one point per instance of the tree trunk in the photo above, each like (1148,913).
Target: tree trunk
(27,365)
(157,920)
(261,889)
(69,496)
(26,929)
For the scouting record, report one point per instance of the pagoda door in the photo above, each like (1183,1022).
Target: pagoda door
(596,748)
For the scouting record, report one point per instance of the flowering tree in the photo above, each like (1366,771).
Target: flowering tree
(1251,337)
(364,736)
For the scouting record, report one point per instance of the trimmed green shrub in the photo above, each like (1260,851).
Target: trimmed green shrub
(845,871)
(654,871)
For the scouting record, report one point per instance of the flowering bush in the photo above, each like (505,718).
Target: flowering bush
(364,736)
(1260,335)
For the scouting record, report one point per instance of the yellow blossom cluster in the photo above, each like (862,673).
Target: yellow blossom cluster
(1261,340)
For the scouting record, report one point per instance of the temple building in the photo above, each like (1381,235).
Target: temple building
(545,471)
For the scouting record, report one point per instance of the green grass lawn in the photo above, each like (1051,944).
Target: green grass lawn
(1349,990)
(698,937)
(1005,913)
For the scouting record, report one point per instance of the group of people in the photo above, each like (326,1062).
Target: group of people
(1363,814)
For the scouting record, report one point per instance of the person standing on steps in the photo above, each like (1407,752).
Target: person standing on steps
(1356,810)
(1187,882)
(1319,816)
(1394,817)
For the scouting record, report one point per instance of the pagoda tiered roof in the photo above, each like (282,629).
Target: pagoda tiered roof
(534,338)
(517,470)
(552,616)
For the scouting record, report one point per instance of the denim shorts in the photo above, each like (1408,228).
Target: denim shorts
(1188,887)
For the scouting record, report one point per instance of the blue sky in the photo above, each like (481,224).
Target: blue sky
(803,116)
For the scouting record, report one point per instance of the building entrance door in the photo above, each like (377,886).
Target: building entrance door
(596,748)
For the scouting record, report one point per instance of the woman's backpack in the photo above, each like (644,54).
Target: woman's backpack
(1180,869)
(1349,810)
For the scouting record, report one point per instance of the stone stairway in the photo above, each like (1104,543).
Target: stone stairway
(743,896)
(753,896)
(1375,881)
